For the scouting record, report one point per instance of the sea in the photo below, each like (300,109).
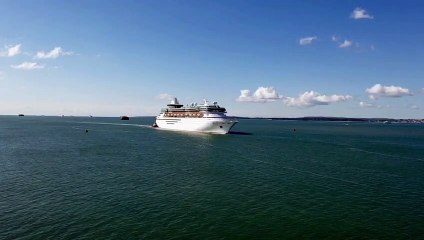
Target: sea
(104,178)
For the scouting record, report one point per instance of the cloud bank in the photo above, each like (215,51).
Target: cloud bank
(307,40)
(27,66)
(387,91)
(360,13)
(262,94)
(311,98)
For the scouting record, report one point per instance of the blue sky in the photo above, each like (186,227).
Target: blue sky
(256,58)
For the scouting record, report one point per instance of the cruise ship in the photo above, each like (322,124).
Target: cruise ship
(206,117)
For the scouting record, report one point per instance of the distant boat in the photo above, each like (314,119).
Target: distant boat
(125,118)
(21,115)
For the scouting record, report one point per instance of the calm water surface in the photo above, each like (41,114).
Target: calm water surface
(125,180)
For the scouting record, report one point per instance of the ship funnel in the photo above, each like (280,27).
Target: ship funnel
(175,101)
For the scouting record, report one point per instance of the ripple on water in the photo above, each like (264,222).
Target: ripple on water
(126,181)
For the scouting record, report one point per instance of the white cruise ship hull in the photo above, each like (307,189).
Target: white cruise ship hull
(205,124)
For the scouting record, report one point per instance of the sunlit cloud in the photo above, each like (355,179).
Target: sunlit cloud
(366,105)
(54,53)
(165,96)
(27,66)
(262,94)
(345,44)
(307,40)
(312,98)
(387,91)
(360,13)
(11,51)
(415,107)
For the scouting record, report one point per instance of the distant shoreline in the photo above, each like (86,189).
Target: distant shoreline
(311,118)
(341,119)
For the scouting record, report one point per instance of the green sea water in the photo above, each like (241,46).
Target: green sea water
(283,180)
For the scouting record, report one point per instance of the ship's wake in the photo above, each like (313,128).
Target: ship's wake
(117,124)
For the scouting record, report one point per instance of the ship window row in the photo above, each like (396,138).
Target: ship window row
(183,115)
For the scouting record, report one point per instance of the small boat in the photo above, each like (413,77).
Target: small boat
(125,118)
(21,115)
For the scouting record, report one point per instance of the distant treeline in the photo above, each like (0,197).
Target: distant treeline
(344,119)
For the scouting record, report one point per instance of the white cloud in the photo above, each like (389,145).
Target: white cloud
(11,51)
(366,105)
(165,96)
(27,66)
(262,94)
(307,40)
(369,105)
(1,75)
(387,91)
(54,53)
(345,44)
(360,13)
(311,98)
(415,107)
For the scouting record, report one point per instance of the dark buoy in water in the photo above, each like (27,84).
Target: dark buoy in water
(86,130)
(294,129)
(125,118)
